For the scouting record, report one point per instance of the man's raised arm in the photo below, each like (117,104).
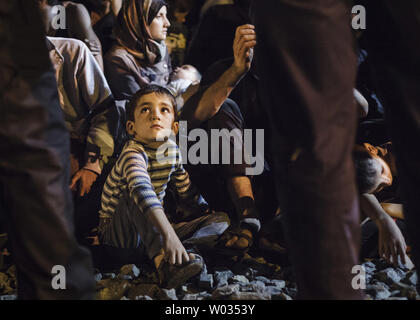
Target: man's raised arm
(219,91)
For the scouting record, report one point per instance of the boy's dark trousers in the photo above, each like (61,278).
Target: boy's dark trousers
(34,162)
(306,57)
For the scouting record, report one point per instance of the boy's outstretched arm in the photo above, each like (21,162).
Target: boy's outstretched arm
(174,251)
(391,240)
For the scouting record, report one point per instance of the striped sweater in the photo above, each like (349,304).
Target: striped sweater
(146,172)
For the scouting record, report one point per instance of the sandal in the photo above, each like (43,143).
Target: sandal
(231,251)
(245,236)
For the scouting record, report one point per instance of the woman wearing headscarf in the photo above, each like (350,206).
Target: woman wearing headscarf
(140,56)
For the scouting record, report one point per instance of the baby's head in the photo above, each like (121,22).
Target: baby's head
(372,171)
(151,115)
(186,72)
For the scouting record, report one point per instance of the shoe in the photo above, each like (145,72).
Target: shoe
(173,276)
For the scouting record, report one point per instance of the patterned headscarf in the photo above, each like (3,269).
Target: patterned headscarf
(133,33)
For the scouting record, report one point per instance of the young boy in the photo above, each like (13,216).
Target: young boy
(132,218)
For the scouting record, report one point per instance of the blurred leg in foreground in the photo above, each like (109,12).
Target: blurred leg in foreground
(34,162)
(307,67)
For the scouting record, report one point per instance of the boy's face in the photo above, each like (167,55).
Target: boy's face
(186,72)
(154,119)
(384,174)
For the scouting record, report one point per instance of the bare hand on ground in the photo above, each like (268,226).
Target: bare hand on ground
(391,242)
(175,252)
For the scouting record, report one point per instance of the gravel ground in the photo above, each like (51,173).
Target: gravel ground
(249,279)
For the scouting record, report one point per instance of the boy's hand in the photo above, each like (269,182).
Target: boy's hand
(86,177)
(243,44)
(175,252)
(391,241)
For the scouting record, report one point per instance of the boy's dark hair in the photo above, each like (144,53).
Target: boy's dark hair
(366,171)
(153,88)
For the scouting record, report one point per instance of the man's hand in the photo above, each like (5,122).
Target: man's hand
(175,252)
(243,44)
(86,177)
(391,241)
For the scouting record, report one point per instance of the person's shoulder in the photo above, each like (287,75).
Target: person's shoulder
(117,50)
(74,8)
(132,147)
(70,45)
(118,55)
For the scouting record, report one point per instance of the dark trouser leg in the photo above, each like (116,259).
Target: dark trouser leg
(220,191)
(204,230)
(34,163)
(307,71)
(131,231)
(396,57)
(214,189)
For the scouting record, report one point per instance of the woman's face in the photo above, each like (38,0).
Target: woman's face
(160,25)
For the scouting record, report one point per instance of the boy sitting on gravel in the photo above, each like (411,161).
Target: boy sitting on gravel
(133,223)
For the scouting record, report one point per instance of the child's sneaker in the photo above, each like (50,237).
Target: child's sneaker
(173,276)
